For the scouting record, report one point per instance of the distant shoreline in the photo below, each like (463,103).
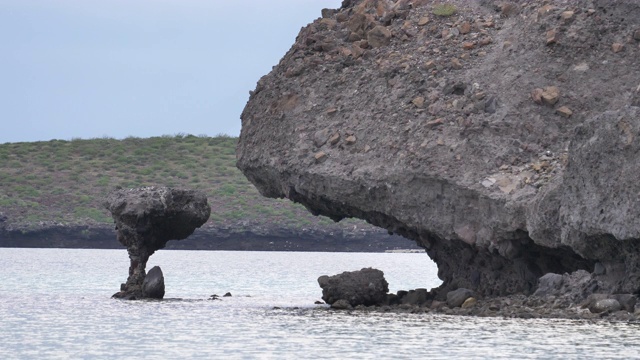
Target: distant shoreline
(88,237)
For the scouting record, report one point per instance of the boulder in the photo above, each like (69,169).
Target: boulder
(153,284)
(415,297)
(146,218)
(610,305)
(627,301)
(457,297)
(363,287)
(549,284)
(341,304)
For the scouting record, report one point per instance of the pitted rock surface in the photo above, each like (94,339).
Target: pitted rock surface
(363,287)
(501,139)
(146,218)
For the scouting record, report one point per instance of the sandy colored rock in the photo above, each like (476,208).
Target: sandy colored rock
(552,37)
(418,101)
(564,111)
(617,47)
(333,139)
(485,41)
(567,15)
(319,156)
(379,36)
(465,28)
(546,9)
(350,140)
(550,95)
(470,302)
(536,95)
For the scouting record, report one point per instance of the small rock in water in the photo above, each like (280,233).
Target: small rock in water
(153,284)
(227,295)
(364,287)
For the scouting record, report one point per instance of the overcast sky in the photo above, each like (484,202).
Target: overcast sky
(118,68)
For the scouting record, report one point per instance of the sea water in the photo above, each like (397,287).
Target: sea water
(55,304)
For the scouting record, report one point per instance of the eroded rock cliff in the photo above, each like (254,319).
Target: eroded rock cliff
(503,138)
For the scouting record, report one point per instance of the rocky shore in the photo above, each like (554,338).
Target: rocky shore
(501,136)
(513,306)
(567,296)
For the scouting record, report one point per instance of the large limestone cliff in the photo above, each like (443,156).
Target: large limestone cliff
(503,138)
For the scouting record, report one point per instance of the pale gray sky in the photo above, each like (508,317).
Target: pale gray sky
(118,68)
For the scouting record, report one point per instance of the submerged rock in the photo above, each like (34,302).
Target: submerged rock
(363,287)
(146,218)
(483,171)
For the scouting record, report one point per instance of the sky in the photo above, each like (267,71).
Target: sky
(118,68)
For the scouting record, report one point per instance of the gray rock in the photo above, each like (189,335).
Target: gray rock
(153,284)
(146,218)
(457,297)
(610,305)
(560,214)
(549,284)
(490,105)
(364,287)
(599,269)
(341,304)
(415,297)
(627,301)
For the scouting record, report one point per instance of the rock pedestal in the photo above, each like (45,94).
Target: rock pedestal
(146,218)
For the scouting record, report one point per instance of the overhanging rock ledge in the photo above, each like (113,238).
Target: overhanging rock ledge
(503,140)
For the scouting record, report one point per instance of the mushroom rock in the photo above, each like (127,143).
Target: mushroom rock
(146,218)
(497,198)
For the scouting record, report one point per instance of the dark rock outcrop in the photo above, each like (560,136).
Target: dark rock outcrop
(153,284)
(457,297)
(364,287)
(146,218)
(508,150)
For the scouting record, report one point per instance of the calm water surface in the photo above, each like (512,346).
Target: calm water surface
(55,303)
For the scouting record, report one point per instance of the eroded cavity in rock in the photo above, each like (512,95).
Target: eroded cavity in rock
(146,218)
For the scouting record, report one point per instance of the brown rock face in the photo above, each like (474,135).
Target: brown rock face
(498,188)
(379,36)
(146,218)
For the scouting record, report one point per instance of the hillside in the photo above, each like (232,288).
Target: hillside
(58,186)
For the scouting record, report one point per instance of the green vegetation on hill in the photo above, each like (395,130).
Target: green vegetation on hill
(63,182)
